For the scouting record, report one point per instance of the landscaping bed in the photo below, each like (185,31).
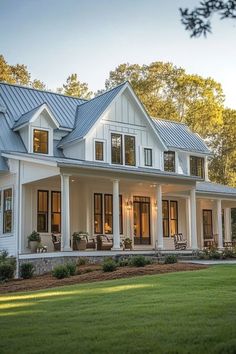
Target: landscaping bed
(94,273)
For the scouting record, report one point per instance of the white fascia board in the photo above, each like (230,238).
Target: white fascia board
(29,159)
(40,110)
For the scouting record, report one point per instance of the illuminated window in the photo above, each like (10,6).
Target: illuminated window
(42,222)
(56,212)
(7,211)
(99,151)
(98,213)
(40,141)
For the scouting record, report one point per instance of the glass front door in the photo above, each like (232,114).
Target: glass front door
(142,234)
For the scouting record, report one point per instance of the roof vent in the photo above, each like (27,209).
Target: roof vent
(3,109)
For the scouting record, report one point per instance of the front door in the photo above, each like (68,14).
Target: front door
(142,234)
(207,224)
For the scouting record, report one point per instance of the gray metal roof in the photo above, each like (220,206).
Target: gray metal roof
(26,117)
(179,136)
(89,112)
(19,100)
(215,188)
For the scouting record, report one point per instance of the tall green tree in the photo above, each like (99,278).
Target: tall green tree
(74,87)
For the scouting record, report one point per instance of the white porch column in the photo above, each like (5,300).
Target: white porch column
(193,222)
(159,218)
(65,208)
(219,223)
(227,224)
(116,218)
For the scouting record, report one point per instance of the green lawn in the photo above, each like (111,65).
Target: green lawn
(190,312)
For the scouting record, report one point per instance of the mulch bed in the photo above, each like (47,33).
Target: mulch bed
(93,273)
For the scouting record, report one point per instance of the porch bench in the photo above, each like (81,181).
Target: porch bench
(90,242)
(104,243)
(180,242)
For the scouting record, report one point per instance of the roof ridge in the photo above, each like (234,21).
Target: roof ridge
(46,91)
(98,96)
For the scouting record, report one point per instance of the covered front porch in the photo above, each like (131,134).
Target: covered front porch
(147,210)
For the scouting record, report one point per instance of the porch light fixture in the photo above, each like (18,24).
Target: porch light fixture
(155,204)
(129,204)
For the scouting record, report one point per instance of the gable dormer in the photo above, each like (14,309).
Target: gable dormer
(36,129)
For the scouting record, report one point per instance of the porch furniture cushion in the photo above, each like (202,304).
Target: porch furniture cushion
(56,240)
(180,242)
(90,242)
(104,243)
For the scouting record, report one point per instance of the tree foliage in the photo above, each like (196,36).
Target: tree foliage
(17,74)
(74,87)
(198,21)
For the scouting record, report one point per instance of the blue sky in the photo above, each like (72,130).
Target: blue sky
(55,38)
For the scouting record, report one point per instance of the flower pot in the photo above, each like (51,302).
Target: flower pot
(33,246)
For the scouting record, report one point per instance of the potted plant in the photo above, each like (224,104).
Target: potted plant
(34,240)
(79,240)
(127,243)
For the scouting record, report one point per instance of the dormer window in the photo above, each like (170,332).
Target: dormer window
(40,141)
(169,161)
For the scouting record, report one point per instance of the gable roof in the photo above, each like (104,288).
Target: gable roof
(19,100)
(215,188)
(89,112)
(178,136)
(32,115)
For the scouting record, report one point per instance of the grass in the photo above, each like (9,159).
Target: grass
(189,312)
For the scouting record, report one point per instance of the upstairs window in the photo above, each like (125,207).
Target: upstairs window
(99,151)
(169,161)
(116,149)
(130,150)
(147,157)
(40,141)
(7,211)
(197,166)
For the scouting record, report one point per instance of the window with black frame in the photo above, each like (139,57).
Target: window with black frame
(7,210)
(169,161)
(108,213)
(116,149)
(98,217)
(130,150)
(56,212)
(148,157)
(99,150)
(197,166)
(42,213)
(165,217)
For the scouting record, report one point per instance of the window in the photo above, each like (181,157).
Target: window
(207,224)
(98,227)
(147,157)
(99,151)
(42,222)
(165,217)
(197,166)
(107,215)
(56,212)
(116,149)
(173,218)
(7,211)
(170,217)
(130,150)
(40,141)
(169,161)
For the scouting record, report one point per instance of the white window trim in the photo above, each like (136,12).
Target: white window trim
(50,140)
(104,149)
(143,156)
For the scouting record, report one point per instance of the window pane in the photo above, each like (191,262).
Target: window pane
(99,150)
(165,217)
(197,166)
(173,218)
(169,161)
(98,229)
(7,211)
(121,214)
(148,157)
(129,150)
(116,149)
(108,208)
(42,220)
(40,141)
(56,212)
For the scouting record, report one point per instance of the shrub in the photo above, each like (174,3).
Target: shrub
(214,254)
(123,262)
(81,261)
(27,270)
(71,267)
(138,261)
(109,265)
(6,271)
(228,253)
(3,255)
(170,259)
(60,272)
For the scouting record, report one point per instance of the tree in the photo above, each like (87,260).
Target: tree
(17,74)
(223,163)
(198,21)
(169,92)
(74,87)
